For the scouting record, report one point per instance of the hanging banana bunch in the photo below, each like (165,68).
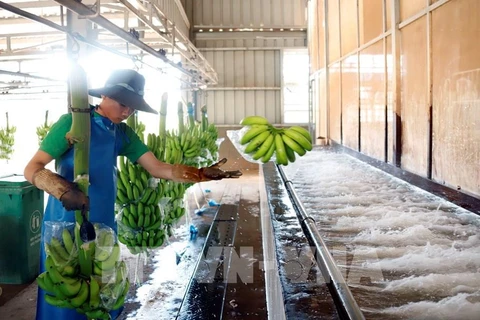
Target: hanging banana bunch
(94,295)
(209,139)
(140,221)
(149,207)
(7,140)
(83,270)
(43,129)
(262,141)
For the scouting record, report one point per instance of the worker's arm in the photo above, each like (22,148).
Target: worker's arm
(38,162)
(67,192)
(183,173)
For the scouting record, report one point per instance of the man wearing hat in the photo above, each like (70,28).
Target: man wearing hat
(110,137)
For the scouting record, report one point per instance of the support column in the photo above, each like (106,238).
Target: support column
(77,50)
(396,80)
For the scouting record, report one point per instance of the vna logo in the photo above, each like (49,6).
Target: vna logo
(35,221)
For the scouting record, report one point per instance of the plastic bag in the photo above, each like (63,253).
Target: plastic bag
(140,227)
(59,243)
(235,137)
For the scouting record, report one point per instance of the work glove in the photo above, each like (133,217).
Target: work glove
(183,173)
(71,197)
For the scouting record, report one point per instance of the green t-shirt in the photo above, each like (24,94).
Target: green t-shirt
(55,143)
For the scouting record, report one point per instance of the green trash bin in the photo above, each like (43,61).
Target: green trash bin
(21,216)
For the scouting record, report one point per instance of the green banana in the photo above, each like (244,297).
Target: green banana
(132,174)
(94,301)
(70,290)
(58,248)
(122,165)
(299,138)
(280,151)
(290,154)
(293,145)
(252,133)
(303,131)
(267,156)
(97,314)
(82,295)
(263,149)
(257,141)
(109,263)
(154,226)
(67,241)
(69,271)
(45,283)
(56,302)
(56,258)
(251,120)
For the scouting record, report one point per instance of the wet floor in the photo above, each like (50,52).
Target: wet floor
(405,253)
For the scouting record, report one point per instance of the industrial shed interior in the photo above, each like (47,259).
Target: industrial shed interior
(372,215)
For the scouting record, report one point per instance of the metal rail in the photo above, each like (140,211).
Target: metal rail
(83,10)
(346,305)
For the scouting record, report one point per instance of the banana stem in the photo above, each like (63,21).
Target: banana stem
(204,118)
(181,125)
(191,117)
(163,115)
(79,136)
(46,119)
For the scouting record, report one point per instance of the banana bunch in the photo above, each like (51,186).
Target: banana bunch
(138,127)
(133,185)
(43,129)
(141,221)
(64,254)
(174,208)
(210,146)
(156,145)
(262,141)
(173,149)
(7,141)
(64,287)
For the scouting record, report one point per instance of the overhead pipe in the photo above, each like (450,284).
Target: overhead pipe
(345,302)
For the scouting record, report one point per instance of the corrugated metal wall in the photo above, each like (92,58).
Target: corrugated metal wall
(251,40)
(248,84)
(248,13)
(400,82)
(249,63)
(174,13)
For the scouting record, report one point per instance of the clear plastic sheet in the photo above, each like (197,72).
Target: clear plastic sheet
(235,136)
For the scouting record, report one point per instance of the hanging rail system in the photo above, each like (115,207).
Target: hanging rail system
(200,77)
(191,54)
(83,10)
(346,305)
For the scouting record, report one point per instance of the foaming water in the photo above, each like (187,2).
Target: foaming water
(405,253)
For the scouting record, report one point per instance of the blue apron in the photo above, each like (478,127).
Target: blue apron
(105,144)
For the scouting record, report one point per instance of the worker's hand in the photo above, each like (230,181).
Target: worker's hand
(74,198)
(183,173)
(71,197)
(215,173)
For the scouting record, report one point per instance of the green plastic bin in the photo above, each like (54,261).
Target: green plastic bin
(21,216)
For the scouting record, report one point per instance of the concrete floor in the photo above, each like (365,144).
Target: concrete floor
(243,300)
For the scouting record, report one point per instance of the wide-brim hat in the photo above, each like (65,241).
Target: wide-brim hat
(126,87)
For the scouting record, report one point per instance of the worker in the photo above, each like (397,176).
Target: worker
(110,137)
